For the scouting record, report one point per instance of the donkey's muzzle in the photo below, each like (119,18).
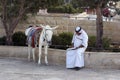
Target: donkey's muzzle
(49,43)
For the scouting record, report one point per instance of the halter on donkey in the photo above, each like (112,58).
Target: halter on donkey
(44,34)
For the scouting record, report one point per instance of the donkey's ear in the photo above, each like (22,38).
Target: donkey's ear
(55,27)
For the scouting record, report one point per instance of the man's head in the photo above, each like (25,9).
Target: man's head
(30,26)
(78,30)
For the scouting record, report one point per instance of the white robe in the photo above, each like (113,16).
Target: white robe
(75,58)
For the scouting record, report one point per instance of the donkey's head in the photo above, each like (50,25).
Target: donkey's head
(47,33)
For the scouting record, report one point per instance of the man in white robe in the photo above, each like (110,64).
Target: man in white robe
(75,55)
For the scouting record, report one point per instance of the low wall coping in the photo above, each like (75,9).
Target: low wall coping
(58,57)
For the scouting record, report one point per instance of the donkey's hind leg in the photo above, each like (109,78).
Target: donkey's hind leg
(46,52)
(33,53)
(39,56)
(29,52)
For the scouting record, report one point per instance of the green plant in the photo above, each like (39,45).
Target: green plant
(62,41)
(56,40)
(92,42)
(19,39)
(69,8)
(106,43)
(62,9)
(3,40)
(66,38)
(58,9)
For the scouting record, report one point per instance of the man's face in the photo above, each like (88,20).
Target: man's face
(78,33)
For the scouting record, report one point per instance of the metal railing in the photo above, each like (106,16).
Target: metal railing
(93,18)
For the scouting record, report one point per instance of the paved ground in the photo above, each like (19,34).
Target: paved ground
(17,69)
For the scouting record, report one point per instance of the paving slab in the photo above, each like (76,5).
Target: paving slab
(21,69)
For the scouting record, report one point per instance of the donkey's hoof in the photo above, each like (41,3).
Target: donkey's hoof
(39,63)
(29,60)
(47,64)
(34,60)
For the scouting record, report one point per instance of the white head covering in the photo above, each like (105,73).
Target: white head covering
(78,29)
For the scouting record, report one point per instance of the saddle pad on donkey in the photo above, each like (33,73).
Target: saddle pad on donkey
(31,35)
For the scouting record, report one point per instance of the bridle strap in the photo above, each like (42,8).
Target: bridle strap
(45,37)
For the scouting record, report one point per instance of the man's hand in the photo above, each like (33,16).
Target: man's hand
(81,46)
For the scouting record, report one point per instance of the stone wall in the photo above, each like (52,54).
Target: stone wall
(111,29)
(58,57)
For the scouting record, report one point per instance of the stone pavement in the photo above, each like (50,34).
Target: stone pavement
(21,69)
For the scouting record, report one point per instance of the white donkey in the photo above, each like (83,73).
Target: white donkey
(44,34)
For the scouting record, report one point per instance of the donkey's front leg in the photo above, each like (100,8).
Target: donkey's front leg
(46,52)
(39,56)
